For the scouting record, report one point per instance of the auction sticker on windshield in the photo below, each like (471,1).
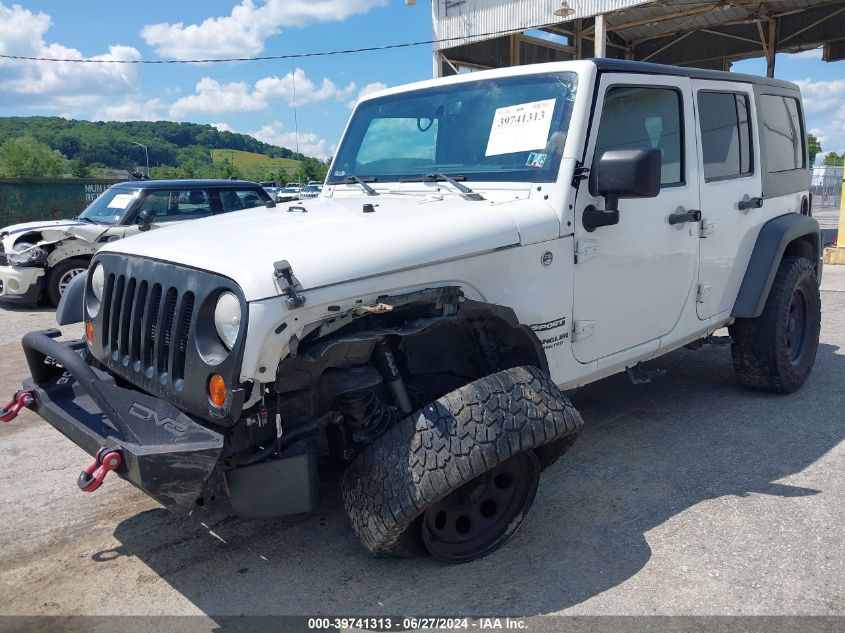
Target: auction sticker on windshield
(120,201)
(520,128)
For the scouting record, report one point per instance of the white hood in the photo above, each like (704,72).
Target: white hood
(335,241)
(51,231)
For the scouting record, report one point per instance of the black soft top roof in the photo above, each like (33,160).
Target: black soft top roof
(606,65)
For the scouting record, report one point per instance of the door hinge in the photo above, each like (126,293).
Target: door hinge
(580,173)
(582,330)
(703,292)
(585,249)
(706,229)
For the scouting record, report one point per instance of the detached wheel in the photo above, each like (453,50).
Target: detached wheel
(61,275)
(462,472)
(776,351)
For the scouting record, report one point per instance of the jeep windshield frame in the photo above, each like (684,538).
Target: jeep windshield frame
(502,129)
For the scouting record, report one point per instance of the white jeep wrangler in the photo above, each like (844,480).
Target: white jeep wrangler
(482,242)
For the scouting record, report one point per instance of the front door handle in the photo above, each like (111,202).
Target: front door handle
(749,203)
(693,215)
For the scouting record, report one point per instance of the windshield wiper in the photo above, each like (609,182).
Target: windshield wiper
(452,180)
(81,219)
(354,180)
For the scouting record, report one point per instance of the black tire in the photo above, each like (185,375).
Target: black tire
(776,351)
(57,276)
(446,445)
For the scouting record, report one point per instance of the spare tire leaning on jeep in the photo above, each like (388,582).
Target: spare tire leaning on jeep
(461,473)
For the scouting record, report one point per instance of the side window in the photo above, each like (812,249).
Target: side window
(644,118)
(784,139)
(725,134)
(172,206)
(237,199)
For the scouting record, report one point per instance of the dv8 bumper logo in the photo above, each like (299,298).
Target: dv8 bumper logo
(173,426)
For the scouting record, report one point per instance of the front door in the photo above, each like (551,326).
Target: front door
(634,279)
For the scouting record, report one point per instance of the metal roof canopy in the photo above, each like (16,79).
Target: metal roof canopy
(490,33)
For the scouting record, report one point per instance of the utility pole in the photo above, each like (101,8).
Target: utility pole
(146,154)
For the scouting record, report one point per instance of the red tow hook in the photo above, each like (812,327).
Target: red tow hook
(108,459)
(20,400)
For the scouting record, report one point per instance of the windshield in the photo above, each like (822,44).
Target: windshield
(110,207)
(503,129)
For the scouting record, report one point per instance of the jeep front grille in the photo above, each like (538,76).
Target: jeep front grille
(154,328)
(141,329)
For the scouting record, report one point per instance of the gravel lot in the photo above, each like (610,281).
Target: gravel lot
(690,495)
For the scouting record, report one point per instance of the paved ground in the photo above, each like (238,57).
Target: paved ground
(686,496)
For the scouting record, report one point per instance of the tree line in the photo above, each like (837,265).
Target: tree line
(53,146)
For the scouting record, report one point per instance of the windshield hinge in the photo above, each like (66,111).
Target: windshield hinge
(289,284)
(580,173)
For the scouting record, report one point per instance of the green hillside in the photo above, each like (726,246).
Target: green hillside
(240,158)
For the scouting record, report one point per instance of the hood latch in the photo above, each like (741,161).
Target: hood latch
(289,283)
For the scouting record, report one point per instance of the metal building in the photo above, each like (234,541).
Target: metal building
(496,33)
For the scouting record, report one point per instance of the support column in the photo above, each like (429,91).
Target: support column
(601,37)
(579,39)
(772,47)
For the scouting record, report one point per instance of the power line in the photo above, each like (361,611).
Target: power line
(347,51)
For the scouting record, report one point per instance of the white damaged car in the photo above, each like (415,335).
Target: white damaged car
(40,258)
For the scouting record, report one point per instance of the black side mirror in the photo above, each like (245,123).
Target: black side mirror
(145,218)
(617,174)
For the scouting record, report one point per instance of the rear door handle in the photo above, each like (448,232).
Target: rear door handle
(693,215)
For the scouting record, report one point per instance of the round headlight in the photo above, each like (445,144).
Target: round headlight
(227,318)
(98,281)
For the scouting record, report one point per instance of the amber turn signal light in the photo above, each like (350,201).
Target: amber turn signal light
(217,390)
(89,332)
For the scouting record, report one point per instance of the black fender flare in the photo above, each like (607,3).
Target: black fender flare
(71,309)
(786,234)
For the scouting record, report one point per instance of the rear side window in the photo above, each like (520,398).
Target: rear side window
(784,139)
(725,134)
(644,118)
(237,199)
(177,205)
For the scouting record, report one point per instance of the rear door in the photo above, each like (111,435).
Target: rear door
(633,280)
(731,190)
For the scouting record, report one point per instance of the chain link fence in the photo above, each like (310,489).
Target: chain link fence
(826,187)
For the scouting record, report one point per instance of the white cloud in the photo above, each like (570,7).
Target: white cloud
(243,32)
(213,97)
(298,84)
(131,110)
(367,90)
(56,84)
(824,104)
(309,143)
(222,127)
(814,53)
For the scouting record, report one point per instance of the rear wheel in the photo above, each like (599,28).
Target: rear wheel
(61,275)
(462,472)
(776,351)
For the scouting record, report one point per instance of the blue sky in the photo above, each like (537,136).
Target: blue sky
(256,97)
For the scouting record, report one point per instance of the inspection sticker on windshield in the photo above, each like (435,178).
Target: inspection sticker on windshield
(520,128)
(120,201)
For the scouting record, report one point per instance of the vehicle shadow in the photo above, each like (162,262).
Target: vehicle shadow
(648,453)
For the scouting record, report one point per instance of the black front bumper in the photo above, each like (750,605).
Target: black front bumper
(165,453)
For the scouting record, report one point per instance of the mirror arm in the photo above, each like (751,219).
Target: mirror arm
(593,218)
